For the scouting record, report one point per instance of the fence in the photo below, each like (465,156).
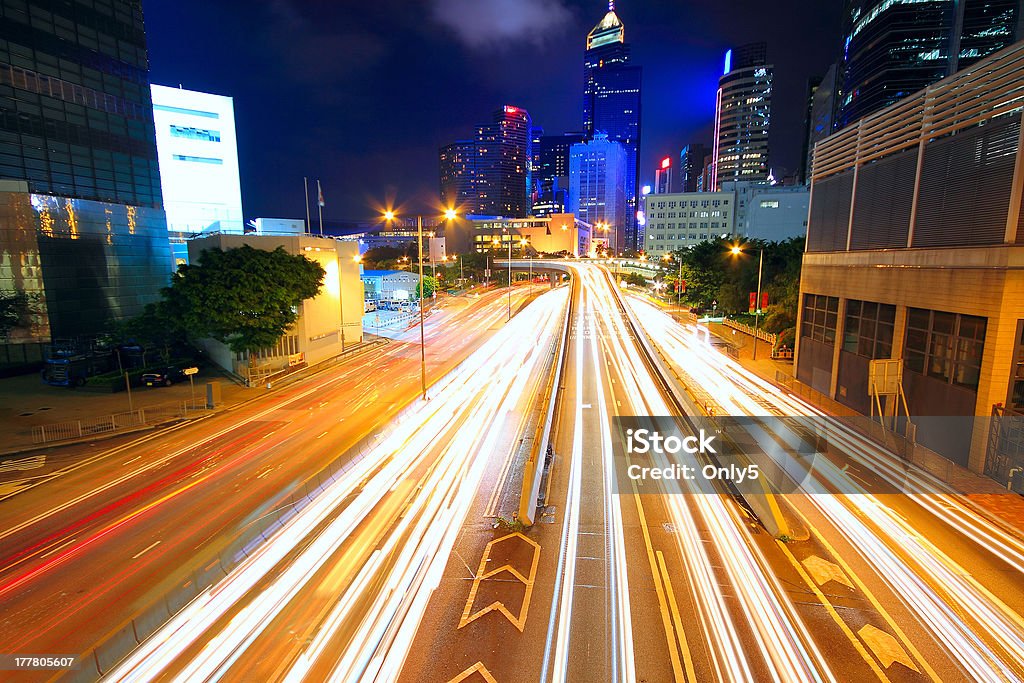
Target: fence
(107,424)
(1004,461)
(747,329)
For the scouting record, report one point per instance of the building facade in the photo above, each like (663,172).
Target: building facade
(389,285)
(691,166)
(597,175)
(557,234)
(198,153)
(83,227)
(326,323)
(769,212)
(743,111)
(679,220)
(894,48)
(458,171)
(611,106)
(503,161)
(915,248)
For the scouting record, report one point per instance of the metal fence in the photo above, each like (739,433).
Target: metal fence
(747,329)
(115,422)
(1004,461)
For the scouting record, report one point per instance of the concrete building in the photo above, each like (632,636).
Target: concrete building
(743,112)
(555,234)
(326,322)
(769,212)
(502,171)
(198,153)
(82,228)
(676,221)
(458,173)
(389,285)
(915,252)
(597,182)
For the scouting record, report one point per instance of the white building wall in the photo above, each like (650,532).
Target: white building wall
(682,219)
(198,155)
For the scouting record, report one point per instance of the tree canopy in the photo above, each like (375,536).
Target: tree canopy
(246,298)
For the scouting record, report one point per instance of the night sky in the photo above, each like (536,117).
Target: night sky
(362,93)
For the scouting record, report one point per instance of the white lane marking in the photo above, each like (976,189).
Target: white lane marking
(145,550)
(63,545)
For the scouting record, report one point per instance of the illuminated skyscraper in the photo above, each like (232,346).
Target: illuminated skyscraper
(458,168)
(894,48)
(742,117)
(503,160)
(597,171)
(611,104)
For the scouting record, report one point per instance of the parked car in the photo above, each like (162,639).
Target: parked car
(165,377)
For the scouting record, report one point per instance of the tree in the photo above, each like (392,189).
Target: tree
(16,310)
(731,299)
(429,287)
(246,298)
(154,328)
(636,279)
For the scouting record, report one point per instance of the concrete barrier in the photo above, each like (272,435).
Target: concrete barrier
(115,648)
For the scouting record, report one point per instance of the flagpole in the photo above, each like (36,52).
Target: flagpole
(305,187)
(320,205)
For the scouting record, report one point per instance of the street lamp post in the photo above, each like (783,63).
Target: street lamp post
(757,302)
(510,275)
(449,214)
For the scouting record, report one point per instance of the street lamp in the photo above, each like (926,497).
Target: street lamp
(736,250)
(449,214)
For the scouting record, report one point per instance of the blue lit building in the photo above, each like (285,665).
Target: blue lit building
(611,105)
(894,48)
(597,174)
(742,117)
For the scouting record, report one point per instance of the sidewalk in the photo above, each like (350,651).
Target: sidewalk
(26,402)
(991,499)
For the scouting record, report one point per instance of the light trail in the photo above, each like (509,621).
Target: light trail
(424,431)
(916,569)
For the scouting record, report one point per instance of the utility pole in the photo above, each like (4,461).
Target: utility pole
(757,303)
(423,348)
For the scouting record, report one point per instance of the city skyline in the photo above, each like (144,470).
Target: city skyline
(323,110)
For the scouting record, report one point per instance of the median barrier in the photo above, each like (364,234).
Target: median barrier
(147,623)
(116,648)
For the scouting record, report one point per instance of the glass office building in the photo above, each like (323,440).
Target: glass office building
(611,105)
(82,219)
(894,48)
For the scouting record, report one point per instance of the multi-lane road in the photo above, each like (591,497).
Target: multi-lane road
(399,568)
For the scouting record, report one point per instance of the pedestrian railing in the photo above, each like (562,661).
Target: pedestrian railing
(115,422)
(747,329)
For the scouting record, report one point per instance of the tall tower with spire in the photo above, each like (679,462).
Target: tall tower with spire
(611,106)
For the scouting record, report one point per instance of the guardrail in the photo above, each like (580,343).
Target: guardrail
(115,422)
(533,471)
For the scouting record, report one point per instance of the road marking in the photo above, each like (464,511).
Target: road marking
(847,631)
(586,405)
(886,647)
(63,545)
(477,668)
(691,674)
(145,550)
(520,621)
(30,463)
(823,571)
(129,462)
(322,435)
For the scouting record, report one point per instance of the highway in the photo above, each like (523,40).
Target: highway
(113,526)
(400,569)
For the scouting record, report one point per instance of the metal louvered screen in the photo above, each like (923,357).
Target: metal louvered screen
(830,213)
(965,185)
(885,193)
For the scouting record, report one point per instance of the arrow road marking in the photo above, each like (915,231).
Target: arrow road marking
(886,648)
(823,571)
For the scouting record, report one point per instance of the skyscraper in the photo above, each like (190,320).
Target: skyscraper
(691,166)
(503,160)
(742,116)
(820,121)
(597,171)
(894,48)
(81,214)
(458,170)
(611,104)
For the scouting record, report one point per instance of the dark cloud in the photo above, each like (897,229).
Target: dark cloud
(494,23)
